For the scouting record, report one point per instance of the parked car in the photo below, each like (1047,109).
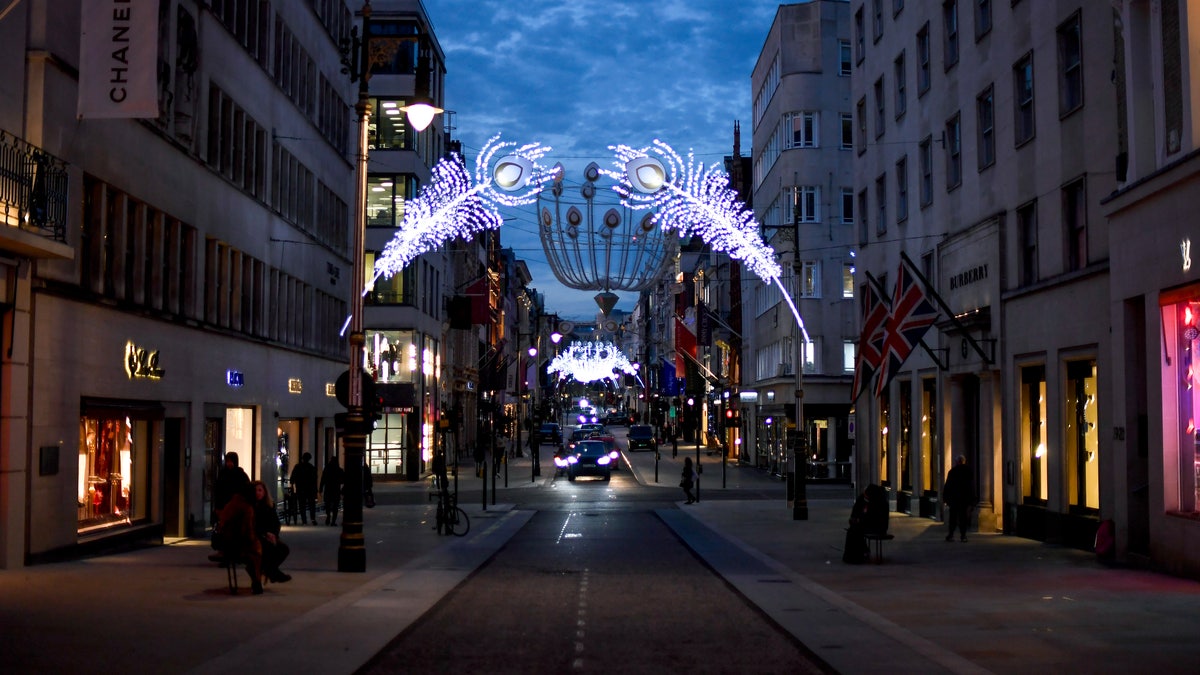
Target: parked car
(641,437)
(549,433)
(590,458)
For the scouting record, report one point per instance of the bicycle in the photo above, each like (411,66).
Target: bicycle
(450,517)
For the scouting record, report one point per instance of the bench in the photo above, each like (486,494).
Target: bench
(875,541)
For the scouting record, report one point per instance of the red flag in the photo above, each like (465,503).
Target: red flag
(481,306)
(870,340)
(685,343)
(911,316)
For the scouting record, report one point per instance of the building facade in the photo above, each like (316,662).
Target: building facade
(191,307)
(1154,476)
(801,179)
(982,144)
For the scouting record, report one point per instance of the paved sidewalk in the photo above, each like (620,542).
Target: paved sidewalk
(996,603)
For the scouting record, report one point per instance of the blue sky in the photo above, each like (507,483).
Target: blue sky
(580,76)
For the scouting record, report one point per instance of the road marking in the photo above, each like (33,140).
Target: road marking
(581,621)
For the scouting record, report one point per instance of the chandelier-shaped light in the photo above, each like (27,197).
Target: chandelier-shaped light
(696,201)
(591,361)
(451,206)
(593,243)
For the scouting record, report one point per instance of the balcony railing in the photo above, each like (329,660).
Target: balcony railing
(33,189)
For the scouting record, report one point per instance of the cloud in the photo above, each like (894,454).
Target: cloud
(582,76)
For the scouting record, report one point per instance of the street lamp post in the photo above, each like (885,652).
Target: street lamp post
(696,413)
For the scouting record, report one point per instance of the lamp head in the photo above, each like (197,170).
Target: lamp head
(420,113)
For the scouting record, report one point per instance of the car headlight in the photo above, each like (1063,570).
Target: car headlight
(603,460)
(614,454)
(559,461)
(572,460)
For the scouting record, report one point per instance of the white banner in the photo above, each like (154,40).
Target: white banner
(118,47)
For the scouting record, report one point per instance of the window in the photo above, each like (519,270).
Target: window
(860,45)
(810,350)
(983,18)
(881,205)
(1023,99)
(848,281)
(862,217)
(847,131)
(861,111)
(877,19)
(386,194)
(1172,50)
(950,23)
(806,202)
(923,59)
(926,162)
(1070,66)
(389,128)
(1035,478)
(985,122)
(399,289)
(803,130)
(897,7)
(902,190)
(810,279)
(931,466)
(1181,398)
(1075,225)
(844,58)
(879,109)
(847,206)
(847,356)
(1082,436)
(1027,231)
(900,83)
(954,152)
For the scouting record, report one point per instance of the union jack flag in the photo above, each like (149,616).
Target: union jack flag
(870,340)
(911,316)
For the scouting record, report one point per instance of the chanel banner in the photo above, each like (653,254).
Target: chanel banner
(117,52)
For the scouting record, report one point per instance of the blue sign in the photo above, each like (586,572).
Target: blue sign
(234,378)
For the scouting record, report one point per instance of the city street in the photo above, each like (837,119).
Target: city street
(589,576)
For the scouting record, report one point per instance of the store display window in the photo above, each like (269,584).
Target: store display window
(114,455)
(1181,404)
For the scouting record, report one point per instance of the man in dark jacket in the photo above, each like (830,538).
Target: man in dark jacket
(959,495)
(231,480)
(304,485)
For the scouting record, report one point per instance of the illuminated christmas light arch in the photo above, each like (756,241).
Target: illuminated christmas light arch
(592,361)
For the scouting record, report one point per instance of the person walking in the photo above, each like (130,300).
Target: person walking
(688,480)
(959,495)
(331,489)
(304,486)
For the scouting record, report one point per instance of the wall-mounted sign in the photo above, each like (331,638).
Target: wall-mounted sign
(330,389)
(142,363)
(1185,251)
(295,386)
(748,396)
(234,378)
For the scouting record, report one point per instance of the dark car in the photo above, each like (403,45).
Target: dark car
(591,458)
(549,433)
(641,437)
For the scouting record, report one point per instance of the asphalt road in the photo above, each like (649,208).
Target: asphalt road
(595,582)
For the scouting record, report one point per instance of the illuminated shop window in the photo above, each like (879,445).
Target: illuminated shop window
(884,415)
(1035,483)
(1181,340)
(1082,436)
(931,464)
(905,443)
(113,458)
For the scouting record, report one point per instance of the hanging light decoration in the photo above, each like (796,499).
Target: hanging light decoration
(591,361)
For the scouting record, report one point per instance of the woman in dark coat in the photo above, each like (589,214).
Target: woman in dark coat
(331,489)
(266,527)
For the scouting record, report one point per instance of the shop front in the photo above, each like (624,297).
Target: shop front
(120,443)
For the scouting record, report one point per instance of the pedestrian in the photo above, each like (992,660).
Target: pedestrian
(368,486)
(331,489)
(674,444)
(235,539)
(266,528)
(304,487)
(688,480)
(855,550)
(959,495)
(231,480)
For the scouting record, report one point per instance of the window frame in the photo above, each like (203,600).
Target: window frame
(860,143)
(845,58)
(1027,243)
(899,86)
(950,27)
(954,175)
(983,18)
(881,204)
(902,189)
(1024,111)
(880,108)
(1075,224)
(924,61)
(1070,75)
(847,214)
(985,125)
(847,141)
(925,166)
